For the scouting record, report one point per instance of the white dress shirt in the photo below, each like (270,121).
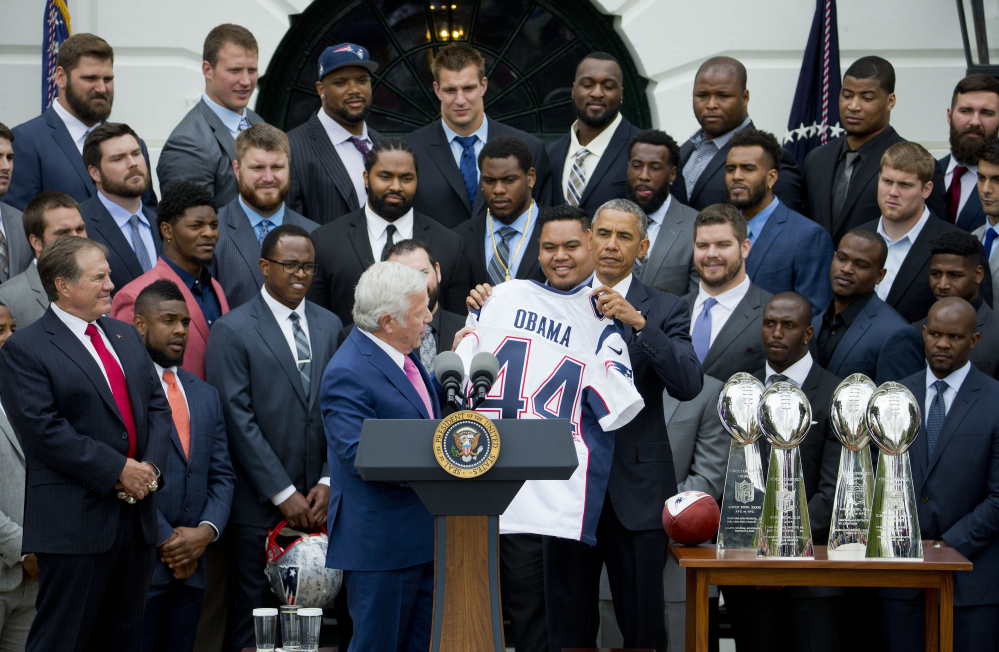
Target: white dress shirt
(123,219)
(954,382)
(897,251)
(77,130)
(969,181)
(796,373)
(656,222)
(721,311)
(397,356)
(596,148)
(79,328)
(282,314)
(621,287)
(378,230)
(349,155)
(229,118)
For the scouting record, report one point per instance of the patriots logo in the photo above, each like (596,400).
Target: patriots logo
(289,582)
(621,368)
(347,48)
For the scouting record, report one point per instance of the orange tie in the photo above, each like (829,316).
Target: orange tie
(181,419)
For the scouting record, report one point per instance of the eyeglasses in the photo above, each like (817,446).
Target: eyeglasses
(293,267)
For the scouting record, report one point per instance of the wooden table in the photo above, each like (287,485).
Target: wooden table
(707,565)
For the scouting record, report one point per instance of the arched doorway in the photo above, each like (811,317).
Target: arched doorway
(531,49)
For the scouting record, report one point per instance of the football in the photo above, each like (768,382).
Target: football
(691,517)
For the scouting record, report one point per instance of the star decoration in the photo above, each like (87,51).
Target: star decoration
(803,131)
(836,131)
(788,138)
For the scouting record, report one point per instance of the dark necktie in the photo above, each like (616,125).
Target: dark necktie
(140,249)
(361,146)
(469,172)
(843,183)
(954,194)
(499,266)
(935,419)
(990,237)
(4,262)
(119,388)
(778,378)
(390,232)
(303,352)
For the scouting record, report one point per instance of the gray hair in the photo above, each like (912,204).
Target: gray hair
(59,259)
(386,287)
(626,206)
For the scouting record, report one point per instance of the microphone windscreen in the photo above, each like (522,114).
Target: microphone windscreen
(449,365)
(484,365)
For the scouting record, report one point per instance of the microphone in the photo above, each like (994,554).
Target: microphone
(450,371)
(484,369)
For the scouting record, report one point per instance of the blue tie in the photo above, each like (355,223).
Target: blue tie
(990,237)
(265,226)
(935,419)
(469,172)
(701,337)
(243,124)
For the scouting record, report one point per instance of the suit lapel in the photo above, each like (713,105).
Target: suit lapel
(869,168)
(959,409)
(395,375)
(614,148)
(197,419)
(245,240)
(60,134)
(739,321)
(441,156)
(222,134)
(8,430)
(853,334)
(639,299)
(154,228)
(273,336)
(710,169)
(476,248)
(529,261)
(132,378)
(197,317)
(913,263)
(35,283)
(972,208)
(63,338)
(673,222)
(359,239)
(771,231)
(318,344)
(330,160)
(560,150)
(917,452)
(112,234)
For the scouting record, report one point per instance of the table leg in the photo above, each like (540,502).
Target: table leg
(932,620)
(947,613)
(697,612)
(691,634)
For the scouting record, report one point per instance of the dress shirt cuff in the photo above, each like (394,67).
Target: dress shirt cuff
(23,557)
(216,538)
(283,495)
(325,481)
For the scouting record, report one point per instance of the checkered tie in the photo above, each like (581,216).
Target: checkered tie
(577,178)
(138,246)
(498,272)
(265,226)
(304,353)
(243,124)
(428,350)
(935,419)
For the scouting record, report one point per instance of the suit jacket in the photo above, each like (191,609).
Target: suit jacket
(441,191)
(738,345)
(25,297)
(201,149)
(710,187)
(123,308)
(373,526)
(792,254)
(102,228)
(47,159)
(74,439)
(910,293)
(957,490)
(19,252)
(985,356)
(879,344)
(275,430)
(971,216)
(642,476)
(11,506)
(670,263)
(445,324)
(199,486)
(343,253)
(321,189)
(474,231)
(610,178)
(236,264)
(993,260)
(861,204)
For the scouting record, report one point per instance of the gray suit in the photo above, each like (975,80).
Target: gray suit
(670,265)
(738,346)
(17,595)
(19,253)
(201,148)
(993,260)
(25,297)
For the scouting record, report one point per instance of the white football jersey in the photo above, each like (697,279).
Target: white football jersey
(560,358)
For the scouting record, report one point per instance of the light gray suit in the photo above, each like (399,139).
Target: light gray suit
(670,264)
(201,149)
(738,346)
(993,260)
(25,297)
(19,253)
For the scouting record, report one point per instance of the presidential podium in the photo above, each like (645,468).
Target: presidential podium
(467,611)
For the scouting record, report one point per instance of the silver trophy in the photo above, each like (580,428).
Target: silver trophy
(893,418)
(785,417)
(851,514)
(742,502)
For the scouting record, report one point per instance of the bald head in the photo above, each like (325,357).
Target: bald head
(726,66)
(786,329)
(720,96)
(949,335)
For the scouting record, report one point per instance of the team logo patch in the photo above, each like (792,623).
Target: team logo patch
(289,583)
(466,444)
(358,53)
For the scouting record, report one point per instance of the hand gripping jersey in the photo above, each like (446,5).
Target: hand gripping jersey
(560,358)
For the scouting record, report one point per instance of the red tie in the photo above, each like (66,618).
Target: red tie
(954,194)
(118,386)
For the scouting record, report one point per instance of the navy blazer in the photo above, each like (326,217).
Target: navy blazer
(198,488)
(74,439)
(47,159)
(957,490)
(792,254)
(373,526)
(610,178)
(102,228)
(879,344)
(971,216)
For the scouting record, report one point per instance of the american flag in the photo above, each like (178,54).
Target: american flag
(56,30)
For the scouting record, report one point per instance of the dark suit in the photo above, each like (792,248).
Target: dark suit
(971,216)
(441,191)
(630,537)
(102,228)
(861,204)
(321,189)
(957,500)
(19,252)
(95,551)
(710,186)
(879,344)
(275,435)
(236,265)
(343,253)
(738,345)
(47,159)
(199,488)
(985,355)
(610,178)
(381,535)
(792,254)
(474,231)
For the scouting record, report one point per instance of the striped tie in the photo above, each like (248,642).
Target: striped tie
(304,356)
(577,178)
(497,271)
(140,249)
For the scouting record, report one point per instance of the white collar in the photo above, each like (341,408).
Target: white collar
(797,372)
(281,312)
(397,356)
(728,299)
(954,163)
(954,380)
(336,131)
(229,118)
(73,124)
(598,145)
(160,370)
(76,325)
(621,287)
(660,214)
(378,224)
(912,234)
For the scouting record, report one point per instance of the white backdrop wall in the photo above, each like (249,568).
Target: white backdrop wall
(158,53)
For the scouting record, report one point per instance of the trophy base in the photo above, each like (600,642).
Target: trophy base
(848,552)
(765,557)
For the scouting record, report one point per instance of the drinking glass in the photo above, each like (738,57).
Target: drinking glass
(265,626)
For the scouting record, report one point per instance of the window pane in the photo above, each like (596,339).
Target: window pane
(558,119)
(388,124)
(407,19)
(421,61)
(554,81)
(451,19)
(496,20)
(542,34)
(415,90)
(526,123)
(384,98)
(363,28)
(301,107)
(310,73)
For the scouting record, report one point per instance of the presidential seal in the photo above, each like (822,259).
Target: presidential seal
(466,444)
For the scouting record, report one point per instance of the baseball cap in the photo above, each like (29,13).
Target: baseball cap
(344,54)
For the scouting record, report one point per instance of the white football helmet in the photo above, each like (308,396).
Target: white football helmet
(297,572)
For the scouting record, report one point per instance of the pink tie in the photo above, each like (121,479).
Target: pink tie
(421,387)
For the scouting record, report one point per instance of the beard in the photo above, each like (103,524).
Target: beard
(594,121)
(433,293)
(386,211)
(161,358)
(966,150)
(348,116)
(121,188)
(731,271)
(756,195)
(82,107)
(250,196)
(654,203)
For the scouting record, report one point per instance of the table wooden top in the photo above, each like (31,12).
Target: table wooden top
(708,556)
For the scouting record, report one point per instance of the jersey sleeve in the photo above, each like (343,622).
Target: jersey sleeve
(470,344)
(612,394)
